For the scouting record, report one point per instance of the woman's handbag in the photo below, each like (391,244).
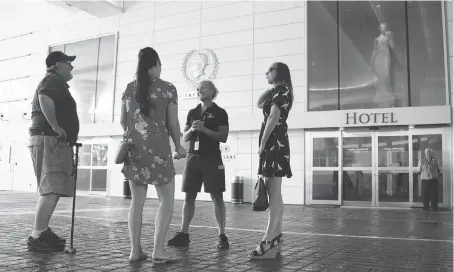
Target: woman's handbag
(122,152)
(260,196)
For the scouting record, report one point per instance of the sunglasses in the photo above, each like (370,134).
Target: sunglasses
(270,70)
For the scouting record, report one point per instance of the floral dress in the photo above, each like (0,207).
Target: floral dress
(149,157)
(275,160)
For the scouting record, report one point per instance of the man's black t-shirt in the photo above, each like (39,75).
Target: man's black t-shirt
(213,117)
(55,87)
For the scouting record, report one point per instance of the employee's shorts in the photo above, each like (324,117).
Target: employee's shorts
(53,165)
(206,169)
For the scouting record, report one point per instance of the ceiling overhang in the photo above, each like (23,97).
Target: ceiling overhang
(100,9)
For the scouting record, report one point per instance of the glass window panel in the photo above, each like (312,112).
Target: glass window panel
(83,179)
(325,152)
(372,38)
(393,151)
(357,152)
(421,142)
(427,59)
(325,185)
(104,83)
(418,190)
(83,85)
(393,186)
(99,180)
(85,155)
(100,152)
(357,186)
(322,55)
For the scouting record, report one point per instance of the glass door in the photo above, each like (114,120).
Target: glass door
(392,168)
(358,151)
(324,174)
(421,139)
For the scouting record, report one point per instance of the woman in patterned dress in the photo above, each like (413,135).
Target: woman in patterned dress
(149,113)
(274,152)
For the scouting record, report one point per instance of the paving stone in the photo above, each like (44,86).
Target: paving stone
(315,238)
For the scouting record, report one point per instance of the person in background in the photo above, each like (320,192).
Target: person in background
(274,153)
(429,171)
(207,125)
(149,113)
(55,124)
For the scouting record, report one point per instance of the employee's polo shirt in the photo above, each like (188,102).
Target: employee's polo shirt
(213,118)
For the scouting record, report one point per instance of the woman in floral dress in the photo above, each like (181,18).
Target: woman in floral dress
(274,152)
(149,114)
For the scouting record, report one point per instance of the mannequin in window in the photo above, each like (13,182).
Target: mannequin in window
(383,64)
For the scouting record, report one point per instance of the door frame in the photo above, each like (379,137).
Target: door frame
(372,169)
(446,159)
(340,134)
(311,135)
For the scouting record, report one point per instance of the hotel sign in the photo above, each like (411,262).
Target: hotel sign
(374,118)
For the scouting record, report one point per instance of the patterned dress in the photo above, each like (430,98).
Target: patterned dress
(275,160)
(149,156)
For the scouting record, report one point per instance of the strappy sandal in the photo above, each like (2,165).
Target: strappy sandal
(280,241)
(268,254)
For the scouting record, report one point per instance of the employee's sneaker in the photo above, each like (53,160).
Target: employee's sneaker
(223,242)
(47,241)
(180,239)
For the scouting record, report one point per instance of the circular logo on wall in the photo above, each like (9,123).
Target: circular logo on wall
(199,65)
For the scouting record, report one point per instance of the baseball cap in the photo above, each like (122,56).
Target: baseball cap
(57,56)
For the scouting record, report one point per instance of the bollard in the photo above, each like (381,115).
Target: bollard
(237,190)
(126,189)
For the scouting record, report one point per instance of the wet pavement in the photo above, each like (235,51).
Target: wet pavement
(316,238)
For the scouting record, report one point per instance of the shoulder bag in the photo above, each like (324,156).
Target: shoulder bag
(260,196)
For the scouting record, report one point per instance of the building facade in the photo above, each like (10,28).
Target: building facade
(372,86)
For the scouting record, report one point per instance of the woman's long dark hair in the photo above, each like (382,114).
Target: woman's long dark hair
(148,58)
(283,75)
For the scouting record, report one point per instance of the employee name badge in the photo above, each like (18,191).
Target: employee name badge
(196,145)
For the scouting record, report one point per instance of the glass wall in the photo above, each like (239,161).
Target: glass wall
(92,170)
(375,54)
(92,84)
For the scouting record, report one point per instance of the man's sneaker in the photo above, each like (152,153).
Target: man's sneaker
(47,241)
(223,242)
(180,239)
(50,236)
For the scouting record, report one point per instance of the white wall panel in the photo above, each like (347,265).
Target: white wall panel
(227,11)
(136,16)
(141,40)
(172,61)
(136,28)
(227,40)
(227,25)
(281,17)
(109,25)
(176,47)
(235,99)
(210,4)
(184,19)
(233,84)
(178,7)
(228,54)
(130,54)
(279,48)
(279,33)
(176,34)
(271,6)
(236,68)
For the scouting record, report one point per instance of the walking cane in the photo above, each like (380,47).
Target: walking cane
(71,249)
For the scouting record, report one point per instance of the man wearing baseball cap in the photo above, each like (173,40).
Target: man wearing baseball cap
(54,124)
